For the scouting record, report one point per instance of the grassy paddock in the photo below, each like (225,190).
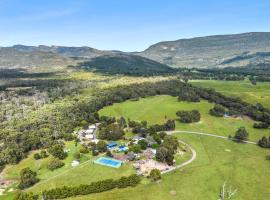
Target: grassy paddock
(243,166)
(158,109)
(259,93)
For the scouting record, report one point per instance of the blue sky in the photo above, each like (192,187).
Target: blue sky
(128,25)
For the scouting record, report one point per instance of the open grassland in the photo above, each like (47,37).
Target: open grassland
(158,109)
(259,93)
(40,166)
(243,166)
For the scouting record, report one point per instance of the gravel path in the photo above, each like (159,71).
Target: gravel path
(193,157)
(205,134)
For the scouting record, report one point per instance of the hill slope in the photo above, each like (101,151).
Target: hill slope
(212,51)
(123,63)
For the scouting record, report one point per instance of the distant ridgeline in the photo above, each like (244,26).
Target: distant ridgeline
(19,137)
(127,64)
(133,65)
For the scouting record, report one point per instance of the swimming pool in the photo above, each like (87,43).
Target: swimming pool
(108,162)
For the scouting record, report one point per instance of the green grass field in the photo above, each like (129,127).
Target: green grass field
(154,109)
(259,93)
(243,166)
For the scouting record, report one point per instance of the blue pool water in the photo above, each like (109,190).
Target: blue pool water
(108,162)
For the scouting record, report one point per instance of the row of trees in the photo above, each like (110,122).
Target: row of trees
(94,187)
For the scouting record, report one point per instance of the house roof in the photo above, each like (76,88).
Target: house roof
(112,144)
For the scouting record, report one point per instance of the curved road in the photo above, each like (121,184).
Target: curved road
(193,157)
(206,134)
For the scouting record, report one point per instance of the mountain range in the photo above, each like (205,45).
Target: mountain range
(237,50)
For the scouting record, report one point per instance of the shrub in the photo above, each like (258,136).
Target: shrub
(155,175)
(55,164)
(26,196)
(37,156)
(264,142)
(84,150)
(217,111)
(261,125)
(27,178)
(94,152)
(43,154)
(102,146)
(143,143)
(241,134)
(189,116)
(77,156)
(57,151)
(135,148)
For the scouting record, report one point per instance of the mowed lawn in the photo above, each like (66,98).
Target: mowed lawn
(259,93)
(158,109)
(243,166)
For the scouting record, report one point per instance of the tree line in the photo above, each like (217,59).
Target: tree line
(94,187)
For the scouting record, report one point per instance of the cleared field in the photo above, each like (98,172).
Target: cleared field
(243,166)
(158,109)
(259,93)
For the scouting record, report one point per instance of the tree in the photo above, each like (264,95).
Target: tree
(27,178)
(171,143)
(189,116)
(217,111)
(135,148)
(77,156)
(155,175)
(162,134)
(109,153)
(37,156)
(143,143)
(102,146)
(84,123)
(94,152)
(55,163)
(111,132)
(122,122)
(226,193)
(264,142)
(84,150)
(43,154)
(261,125)
(156,137)
(57,151)
(161,154)
(164,155)
(241,134)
